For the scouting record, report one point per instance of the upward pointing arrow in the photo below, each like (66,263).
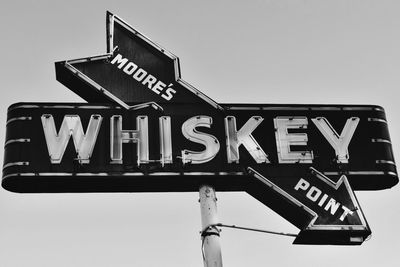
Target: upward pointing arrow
(133,70)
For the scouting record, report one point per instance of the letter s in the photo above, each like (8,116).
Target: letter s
(210,142)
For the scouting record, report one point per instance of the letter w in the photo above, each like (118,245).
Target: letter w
(70,126)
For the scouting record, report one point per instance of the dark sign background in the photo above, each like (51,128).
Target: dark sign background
(367,168)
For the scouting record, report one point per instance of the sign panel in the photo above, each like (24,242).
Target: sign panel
(275,140)
(156,133)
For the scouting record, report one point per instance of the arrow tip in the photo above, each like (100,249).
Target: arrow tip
(109,13)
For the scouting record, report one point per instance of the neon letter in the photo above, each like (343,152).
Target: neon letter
(70,126)
(235,138)
(119,136)
(210,142)
(284,140)
(340,143)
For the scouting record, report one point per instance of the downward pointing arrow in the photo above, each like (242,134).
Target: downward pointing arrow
(328,211)
(134,70)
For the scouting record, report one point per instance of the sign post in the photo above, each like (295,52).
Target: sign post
(211,247)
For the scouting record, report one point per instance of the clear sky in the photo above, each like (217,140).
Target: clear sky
(342,52)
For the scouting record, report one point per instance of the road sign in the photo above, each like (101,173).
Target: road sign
(300,160)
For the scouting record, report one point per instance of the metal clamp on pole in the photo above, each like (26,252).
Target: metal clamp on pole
(210,230)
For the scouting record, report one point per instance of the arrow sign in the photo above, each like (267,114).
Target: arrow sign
(156,133)
(330,213)
(134,70)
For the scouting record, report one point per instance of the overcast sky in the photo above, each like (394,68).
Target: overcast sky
(342,52)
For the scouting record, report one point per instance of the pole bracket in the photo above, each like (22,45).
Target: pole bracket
(210,230)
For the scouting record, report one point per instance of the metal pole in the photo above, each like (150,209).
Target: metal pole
(211,247)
